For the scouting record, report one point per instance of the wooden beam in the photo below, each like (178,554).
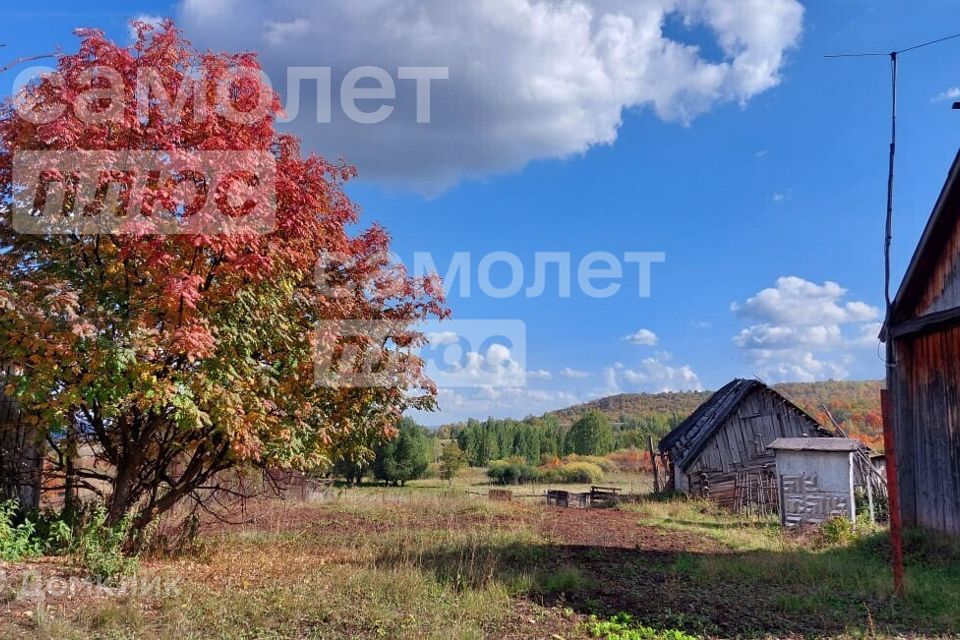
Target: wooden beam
(925,323)
(653,461)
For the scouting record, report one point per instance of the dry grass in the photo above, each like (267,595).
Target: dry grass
(372,563)
(431,562)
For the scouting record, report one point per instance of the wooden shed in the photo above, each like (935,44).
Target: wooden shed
(21,451)
(924,379)
(816,478)
(721,450)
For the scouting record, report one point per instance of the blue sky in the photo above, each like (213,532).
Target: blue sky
(768,203)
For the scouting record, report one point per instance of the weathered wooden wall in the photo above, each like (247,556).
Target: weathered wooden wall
(926,399)
(20,450)
(924,381)
(941,290)
(815,486)
(741,444)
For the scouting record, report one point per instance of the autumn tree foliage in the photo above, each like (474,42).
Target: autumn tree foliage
(173,358)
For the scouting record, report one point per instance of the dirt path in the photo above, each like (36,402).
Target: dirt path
(612,528)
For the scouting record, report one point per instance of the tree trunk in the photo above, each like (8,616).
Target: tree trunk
(70,473)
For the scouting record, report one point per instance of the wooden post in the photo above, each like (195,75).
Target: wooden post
(893,492)
(653,461)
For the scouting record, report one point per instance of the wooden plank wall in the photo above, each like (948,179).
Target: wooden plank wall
(927,409)
(942,289)
(742,442)
(20,451)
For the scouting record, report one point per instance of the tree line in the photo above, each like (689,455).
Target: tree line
(402,458)
(533,438)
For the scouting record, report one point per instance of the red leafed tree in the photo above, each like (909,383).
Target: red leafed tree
(175,357)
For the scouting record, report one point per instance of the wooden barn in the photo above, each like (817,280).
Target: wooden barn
(21,452)
(924,379)
(721,451)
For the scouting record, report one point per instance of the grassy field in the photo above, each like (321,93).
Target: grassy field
(428,561)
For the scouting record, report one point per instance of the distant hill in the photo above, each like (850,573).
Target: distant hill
(637,406)
(855,404)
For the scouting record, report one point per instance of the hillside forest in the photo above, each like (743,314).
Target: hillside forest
(855,405)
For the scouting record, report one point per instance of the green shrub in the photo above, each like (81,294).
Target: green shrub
(566,579)
(623,627)
(53,532)
(920,547)
(17,540)
(837,530)
(574,473)
(99,546)
(96,546)
(518,471)
(605,464)
(513,471)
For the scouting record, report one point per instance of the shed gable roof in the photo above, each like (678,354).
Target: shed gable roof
(688,440)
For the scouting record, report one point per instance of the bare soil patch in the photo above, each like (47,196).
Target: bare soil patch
(615,529)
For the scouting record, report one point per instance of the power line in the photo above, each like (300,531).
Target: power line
(868,54)
(888,230)
(925,44)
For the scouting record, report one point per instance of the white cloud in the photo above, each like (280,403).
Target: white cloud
(152,20)
(950,94)
(779,197)
(573,374)
(499,402)
(654,374)
(760,153)
(642,337)
(529,79)
(795,301)
(277,33)
(539,374)
(765,336)
(806,331)
(443,337)
(869,334)
(496,367)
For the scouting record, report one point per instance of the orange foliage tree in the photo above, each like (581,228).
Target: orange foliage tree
(176,356)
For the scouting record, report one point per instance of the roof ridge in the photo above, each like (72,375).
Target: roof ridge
(703,423)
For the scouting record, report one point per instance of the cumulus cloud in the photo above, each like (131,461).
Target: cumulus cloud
(950,94)
(146,18)
(573,374)
(539,374)
(644,337)
(798,302)
(499,402)
(653,374)
(528,79)
(496,366)
(805,331)
(443,337)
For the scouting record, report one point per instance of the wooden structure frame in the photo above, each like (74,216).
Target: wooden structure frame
(923,378)
(720,452)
